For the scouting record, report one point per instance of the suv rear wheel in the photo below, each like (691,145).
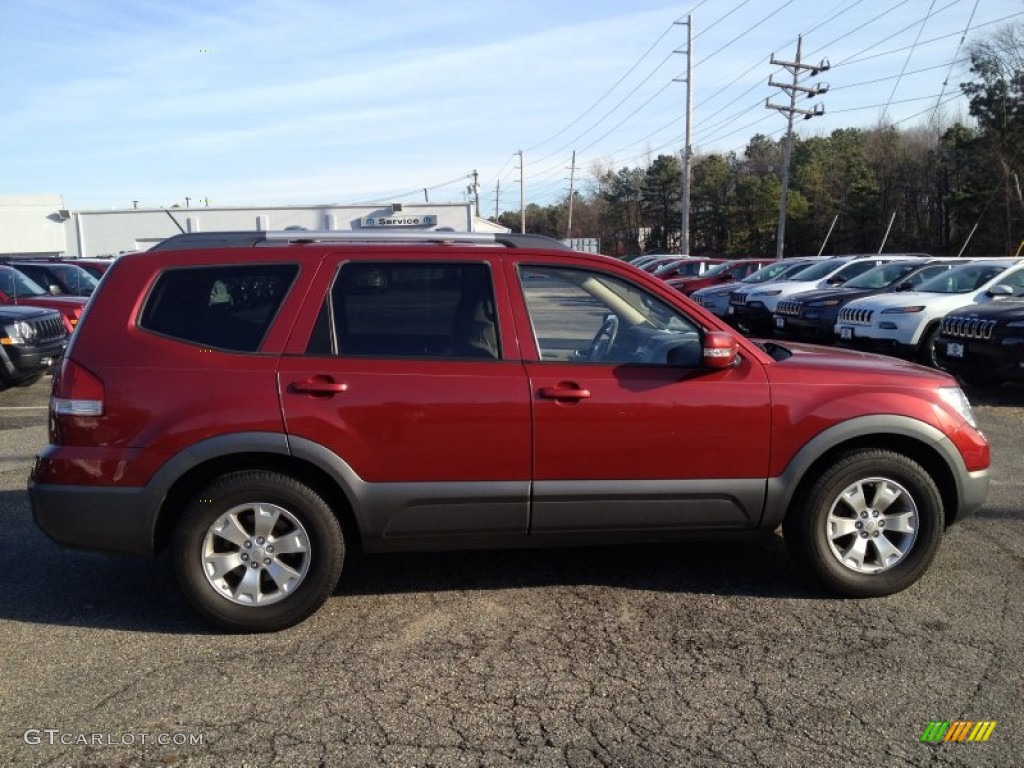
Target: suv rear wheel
(869,526)
(258,551)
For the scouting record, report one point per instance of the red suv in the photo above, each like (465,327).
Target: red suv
(17,288)
(255,408)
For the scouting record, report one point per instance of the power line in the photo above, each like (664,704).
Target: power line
(910,53)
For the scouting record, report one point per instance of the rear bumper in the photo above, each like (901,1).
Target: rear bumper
(100,518)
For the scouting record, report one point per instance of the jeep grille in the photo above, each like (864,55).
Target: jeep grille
(788,308)
(49,328)
(967,327)
(856,316)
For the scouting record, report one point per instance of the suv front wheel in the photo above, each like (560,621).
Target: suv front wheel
(258,551)
(869,526)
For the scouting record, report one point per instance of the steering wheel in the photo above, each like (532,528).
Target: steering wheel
(604,339)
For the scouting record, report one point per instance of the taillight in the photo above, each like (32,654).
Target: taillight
(76,392)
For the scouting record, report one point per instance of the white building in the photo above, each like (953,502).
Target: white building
(39,225)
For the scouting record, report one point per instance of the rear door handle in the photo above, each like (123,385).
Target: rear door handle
(564,392)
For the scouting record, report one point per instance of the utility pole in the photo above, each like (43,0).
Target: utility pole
(474,191)
(497,197)
(796,68)
(572,177)
(684,233)
(522,196)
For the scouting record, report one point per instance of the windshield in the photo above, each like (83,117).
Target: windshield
(776,271)
(969,277)
(14,283)
(76,279)
(819,270)
(883,275)
(717,269)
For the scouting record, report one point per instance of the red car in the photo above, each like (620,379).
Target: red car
(255,410)
(17,289)
(725,272)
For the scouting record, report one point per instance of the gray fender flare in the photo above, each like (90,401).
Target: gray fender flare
(782,488)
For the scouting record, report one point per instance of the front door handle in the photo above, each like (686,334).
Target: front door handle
(564,391)
(319,387)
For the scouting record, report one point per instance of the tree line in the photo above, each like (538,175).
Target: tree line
(933,189)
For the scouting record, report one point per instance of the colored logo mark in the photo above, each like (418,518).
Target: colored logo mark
(958,730)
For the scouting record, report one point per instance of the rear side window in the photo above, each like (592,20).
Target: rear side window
(227,307)
(379,309)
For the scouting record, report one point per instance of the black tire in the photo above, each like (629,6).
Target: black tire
(245,521)
(926,354)
(827,531)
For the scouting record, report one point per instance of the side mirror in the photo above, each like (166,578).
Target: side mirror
(1000,290)
(720,350)
(901,287)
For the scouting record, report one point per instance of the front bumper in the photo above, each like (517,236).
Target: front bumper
(23,362)
(1002,362)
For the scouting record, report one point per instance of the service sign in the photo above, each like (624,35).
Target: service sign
(398,220)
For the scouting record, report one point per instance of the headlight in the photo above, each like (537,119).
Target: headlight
(766,293)
(955,398)
(824,303)
(18,333)
(903,310)
(1016,324)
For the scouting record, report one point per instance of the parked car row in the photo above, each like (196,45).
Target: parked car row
(957,314)
(41,302)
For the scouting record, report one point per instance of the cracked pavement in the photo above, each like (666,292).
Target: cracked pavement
(699,654)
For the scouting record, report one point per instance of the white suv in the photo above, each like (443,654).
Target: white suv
(906,323)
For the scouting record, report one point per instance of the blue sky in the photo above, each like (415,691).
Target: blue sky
(309,101)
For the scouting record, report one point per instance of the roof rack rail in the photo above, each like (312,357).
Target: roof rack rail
(193,240)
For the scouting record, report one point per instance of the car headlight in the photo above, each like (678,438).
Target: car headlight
(1016,324)
(18,333)
(766,293)
(955,398)
(823,303)
(903,310)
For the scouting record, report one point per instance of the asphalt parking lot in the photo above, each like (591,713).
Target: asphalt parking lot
(700,654)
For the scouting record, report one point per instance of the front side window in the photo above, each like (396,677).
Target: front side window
(405,309)
(591,317)
(226,307)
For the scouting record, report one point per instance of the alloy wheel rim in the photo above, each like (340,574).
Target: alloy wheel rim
(872,525)
(256,554)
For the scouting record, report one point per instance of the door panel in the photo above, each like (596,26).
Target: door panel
(406,383)
(623,440)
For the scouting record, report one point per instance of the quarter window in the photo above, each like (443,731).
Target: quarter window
(227,307)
